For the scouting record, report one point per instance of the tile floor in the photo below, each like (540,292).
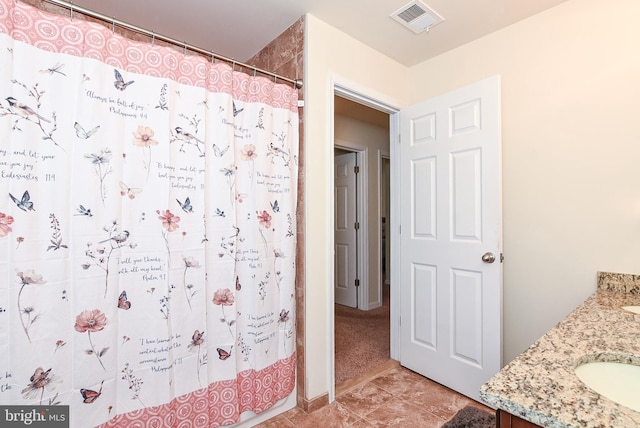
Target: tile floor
(387,396)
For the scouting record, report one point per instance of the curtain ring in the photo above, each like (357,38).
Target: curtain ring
(254,71)
(184,49)
(153,39)
(71,11)
(213,57)
(113,25)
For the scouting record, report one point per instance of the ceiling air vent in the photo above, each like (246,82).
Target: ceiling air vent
(417,17)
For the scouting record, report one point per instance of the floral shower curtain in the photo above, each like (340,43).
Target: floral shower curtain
(147,228)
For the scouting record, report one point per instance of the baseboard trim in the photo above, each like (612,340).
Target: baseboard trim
(314,404)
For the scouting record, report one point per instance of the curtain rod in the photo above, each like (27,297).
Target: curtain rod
(73,8)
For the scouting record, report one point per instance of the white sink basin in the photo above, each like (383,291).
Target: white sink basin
(618,382)
(634,309)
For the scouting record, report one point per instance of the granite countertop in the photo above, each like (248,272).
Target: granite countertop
(540,385)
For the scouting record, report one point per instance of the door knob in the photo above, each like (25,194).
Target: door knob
(488,258)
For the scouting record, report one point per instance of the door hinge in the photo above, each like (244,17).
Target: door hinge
(357,282)
(357,225)
(501,257)
(356,169)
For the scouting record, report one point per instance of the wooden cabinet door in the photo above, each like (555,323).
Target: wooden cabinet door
(507,420)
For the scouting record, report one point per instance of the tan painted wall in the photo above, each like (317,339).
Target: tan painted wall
(571,182)
(330,56)
(571,152)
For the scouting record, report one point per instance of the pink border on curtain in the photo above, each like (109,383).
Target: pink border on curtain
(218,404)
(55,33)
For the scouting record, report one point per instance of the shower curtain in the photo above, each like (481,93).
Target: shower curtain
(147,228)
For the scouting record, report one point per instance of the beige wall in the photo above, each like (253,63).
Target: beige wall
(571,152)
(330,56)
(571,155)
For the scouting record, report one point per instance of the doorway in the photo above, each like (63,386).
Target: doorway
(362,334)
(467,119)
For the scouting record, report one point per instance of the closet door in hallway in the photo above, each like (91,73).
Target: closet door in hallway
(345,251)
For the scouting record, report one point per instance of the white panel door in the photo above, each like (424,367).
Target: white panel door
(345,232)
(451,299)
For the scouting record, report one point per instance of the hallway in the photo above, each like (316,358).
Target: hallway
(387,396)
(361,339)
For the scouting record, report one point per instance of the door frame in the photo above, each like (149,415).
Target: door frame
(382,155)
(362,95)
(362,199)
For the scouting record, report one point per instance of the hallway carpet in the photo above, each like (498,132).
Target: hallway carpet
(361,339)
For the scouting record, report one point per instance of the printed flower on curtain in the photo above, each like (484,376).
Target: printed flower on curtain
(162,102)
(164,303)
(289,226)
(135,383)
(38,382)
(288,331)
(189,292)
(245,349)
(277,254)
(27,313)
(143,137)
(101,160)
(56,235)
(224,297)
(262,286)
(5,224)
(169,224)
(228,243)
(59,344)
(249,154)
(92,321)
(230,173)
(100,255)
(197,340)
(169,220)
(264,218)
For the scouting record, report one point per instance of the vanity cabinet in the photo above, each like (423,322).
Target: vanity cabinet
(541,385)
(507,420)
